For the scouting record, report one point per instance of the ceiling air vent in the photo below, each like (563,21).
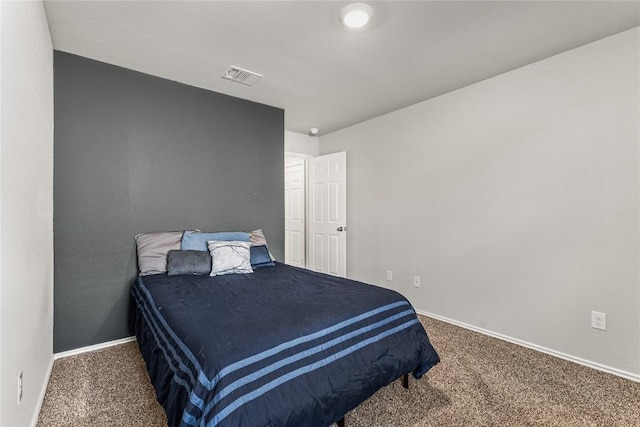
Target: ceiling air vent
(240,75)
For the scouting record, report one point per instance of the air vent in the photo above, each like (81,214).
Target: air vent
(240,75)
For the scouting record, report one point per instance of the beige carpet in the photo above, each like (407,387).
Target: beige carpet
(481,381)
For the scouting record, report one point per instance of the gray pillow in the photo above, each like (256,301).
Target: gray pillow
(188,262)
(153,248)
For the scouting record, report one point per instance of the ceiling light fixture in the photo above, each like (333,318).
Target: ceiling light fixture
(356,15)
(314,131)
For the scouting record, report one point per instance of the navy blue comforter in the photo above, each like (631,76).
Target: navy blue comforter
(280,347)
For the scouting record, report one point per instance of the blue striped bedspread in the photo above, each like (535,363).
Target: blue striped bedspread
(280,347)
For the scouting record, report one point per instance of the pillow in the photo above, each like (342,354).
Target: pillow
(260,257)
(229,257)
(256,237)
(152,249)
(197,241)
(188,262)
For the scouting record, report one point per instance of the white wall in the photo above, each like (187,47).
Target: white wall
(26,209)
(516,201)
(299,143)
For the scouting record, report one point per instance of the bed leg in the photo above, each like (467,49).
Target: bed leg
(405,381)
(340,422)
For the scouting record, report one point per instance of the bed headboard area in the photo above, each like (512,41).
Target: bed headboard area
(134,154)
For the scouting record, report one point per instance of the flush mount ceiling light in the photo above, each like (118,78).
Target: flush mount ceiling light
(314,131)
(356,15)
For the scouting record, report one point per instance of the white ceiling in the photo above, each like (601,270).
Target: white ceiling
(322,74)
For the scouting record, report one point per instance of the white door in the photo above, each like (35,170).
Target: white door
(294,214)
(327,242)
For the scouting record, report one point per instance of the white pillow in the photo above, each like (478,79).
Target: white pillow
(229,257)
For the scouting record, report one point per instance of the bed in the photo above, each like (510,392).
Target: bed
(282,346)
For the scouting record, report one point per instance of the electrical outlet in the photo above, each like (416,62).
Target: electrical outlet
(389,276)
(416,281)
(19,387)
(599,320)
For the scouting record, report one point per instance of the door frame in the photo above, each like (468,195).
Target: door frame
(291,159)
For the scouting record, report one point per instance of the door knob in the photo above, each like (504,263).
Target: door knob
(342,228)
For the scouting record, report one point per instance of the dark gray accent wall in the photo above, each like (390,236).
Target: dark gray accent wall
(135,153)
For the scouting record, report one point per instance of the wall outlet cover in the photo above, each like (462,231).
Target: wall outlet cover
(599,320)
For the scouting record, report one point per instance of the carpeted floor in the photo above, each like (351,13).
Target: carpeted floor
(481,381)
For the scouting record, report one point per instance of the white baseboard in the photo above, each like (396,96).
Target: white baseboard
(43,391)
(95,347)
(594,365)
